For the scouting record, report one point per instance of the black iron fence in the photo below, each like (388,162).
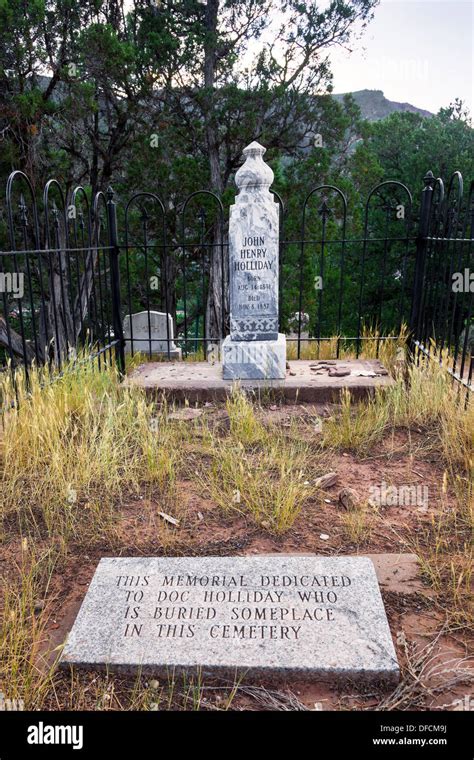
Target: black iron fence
(74,270)
(58,276)
(442,315)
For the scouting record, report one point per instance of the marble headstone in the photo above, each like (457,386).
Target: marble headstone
(150,334)
(254,349)
(316,617)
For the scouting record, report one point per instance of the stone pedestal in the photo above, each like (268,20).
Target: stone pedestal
(255,349)
(254,360)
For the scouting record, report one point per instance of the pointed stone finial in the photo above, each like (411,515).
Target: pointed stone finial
(254,172)
(255,148)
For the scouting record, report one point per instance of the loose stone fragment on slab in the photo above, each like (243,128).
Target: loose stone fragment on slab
(314,617)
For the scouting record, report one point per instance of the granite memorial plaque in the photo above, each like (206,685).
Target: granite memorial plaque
(254,349)
(316,617)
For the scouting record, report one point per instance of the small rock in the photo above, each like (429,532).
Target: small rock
(39,605)
(186,414)
(326,481)
(288,365)
(292,373)
(324,537)
(154,684)
(169,519)
(200,516)
(348,498)
(273,408)
(339,372)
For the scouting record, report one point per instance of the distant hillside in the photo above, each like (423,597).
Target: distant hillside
(374,105)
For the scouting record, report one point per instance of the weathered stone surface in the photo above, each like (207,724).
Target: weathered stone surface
(253,273)
(254,360)
(308,616)
(150,333)
(202,381)
(253,252)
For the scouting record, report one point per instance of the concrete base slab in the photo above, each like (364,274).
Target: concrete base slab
(305,381)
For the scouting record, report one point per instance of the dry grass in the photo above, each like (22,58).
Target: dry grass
(71,449)
(357,427)
(445,551)
(358,523)
(323,349)
(426,400)
(389,349)
(424,676)
(245,428)
(107,692)
(257,470)
(22,631)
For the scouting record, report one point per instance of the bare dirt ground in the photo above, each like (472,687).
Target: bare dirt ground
(432,649)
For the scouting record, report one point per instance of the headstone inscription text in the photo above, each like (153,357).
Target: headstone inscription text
(277,615)
(255,283)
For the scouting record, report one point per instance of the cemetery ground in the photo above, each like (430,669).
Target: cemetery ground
(91,469)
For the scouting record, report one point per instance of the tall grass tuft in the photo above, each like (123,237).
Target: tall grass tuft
(356,426)
(23,674)
(426,400)
(244,425)
(74,446)
(257,470)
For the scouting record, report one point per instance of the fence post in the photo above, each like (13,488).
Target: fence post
(421,249)
(115,281)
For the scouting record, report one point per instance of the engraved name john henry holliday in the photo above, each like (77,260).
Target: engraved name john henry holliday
(253,255)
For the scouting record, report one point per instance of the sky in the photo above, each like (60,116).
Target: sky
(416,51)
